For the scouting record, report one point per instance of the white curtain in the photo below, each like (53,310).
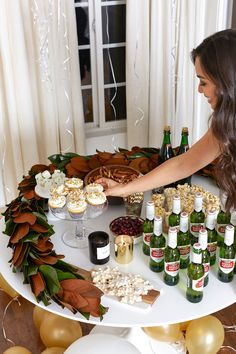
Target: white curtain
(161,82)
(41,110)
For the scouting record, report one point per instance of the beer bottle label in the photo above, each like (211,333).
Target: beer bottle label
(196,285)
(220,228)
(226,265)
(146,238)
(195,227)
(206,268)
(157,254)
(212,246)
(172,268)
(184,251)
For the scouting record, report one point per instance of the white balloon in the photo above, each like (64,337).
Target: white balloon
(102,344)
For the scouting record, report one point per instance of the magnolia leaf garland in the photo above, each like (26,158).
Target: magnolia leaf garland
(50,278)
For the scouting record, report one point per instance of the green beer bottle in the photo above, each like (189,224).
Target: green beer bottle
(227,256)
(184,146)
(212,235)
(171,259)
(205,254)
(195,276)
(197,218)
(183,241)
(233,223)
(223,219)
(157,246)
(148,227)
(166,151)
(174,217)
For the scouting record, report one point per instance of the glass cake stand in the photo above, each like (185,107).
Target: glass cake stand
(78,238)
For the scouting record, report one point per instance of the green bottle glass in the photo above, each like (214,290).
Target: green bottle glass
(205,254)
(227,256)
(197,218)
(148,227)
(183,241)
(171,259)
(211,234)
(166,151)
(174,217)
(157,247)
(184,146)
(233,223)
(223,219)
(195,276)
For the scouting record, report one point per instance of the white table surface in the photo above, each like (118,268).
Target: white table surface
(171,307)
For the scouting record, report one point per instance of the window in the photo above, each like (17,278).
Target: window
(101,45)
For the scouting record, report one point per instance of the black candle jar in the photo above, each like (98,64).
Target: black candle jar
(99,247)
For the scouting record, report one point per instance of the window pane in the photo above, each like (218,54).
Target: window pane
(87,105)
(85,68)
(82,21)
(119,102)
(116,23)
(118,63)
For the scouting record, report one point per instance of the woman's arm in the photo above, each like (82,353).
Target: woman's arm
(179,167)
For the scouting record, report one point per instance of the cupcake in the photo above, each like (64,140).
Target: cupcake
(93,187)
(74,183)
(76,195)
(96,200)
(60,190)
(57,202)
(76,208)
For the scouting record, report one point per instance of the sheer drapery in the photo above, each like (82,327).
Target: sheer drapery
(41,110)
(161,82)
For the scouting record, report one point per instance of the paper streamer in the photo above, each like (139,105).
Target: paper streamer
(4,317)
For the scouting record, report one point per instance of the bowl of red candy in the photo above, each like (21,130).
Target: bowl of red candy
(128,225)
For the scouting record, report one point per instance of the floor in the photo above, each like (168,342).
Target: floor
(20,328)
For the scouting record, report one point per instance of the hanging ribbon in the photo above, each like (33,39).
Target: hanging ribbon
(4,317)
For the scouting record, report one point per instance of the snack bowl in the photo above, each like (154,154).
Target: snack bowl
(119,173)
(128,225)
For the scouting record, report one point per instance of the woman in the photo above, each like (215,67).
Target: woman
(215,65)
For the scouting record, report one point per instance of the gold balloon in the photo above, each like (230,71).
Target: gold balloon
(204,335)
(166,333)
(17,350)
(54,350)
(184,325)
(38,316)
(7,288)
(57,331)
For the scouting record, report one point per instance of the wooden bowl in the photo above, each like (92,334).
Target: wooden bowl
(119,173)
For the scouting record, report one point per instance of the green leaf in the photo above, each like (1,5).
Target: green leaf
(85,314)
(31,237)
(10,227)
(32,270)
(51,279)
(64,275)
(55,159)
(69,155)
(62,164)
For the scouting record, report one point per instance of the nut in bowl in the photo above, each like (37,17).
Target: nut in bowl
(128,225)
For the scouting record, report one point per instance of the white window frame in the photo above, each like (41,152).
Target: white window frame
(99,126)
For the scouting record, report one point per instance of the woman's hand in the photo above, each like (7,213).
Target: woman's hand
(107,183)
(111,187)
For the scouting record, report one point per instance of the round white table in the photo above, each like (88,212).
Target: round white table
(172,305)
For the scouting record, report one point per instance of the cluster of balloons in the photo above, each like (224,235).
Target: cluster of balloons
(203,335)
(57,333)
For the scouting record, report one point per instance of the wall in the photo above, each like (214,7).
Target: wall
(105,143)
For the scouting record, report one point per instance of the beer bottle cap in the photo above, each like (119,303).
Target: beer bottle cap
(229,235)
(184,130)
(167,128)
(202,238)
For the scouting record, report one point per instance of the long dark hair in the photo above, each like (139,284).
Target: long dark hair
(217,55)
